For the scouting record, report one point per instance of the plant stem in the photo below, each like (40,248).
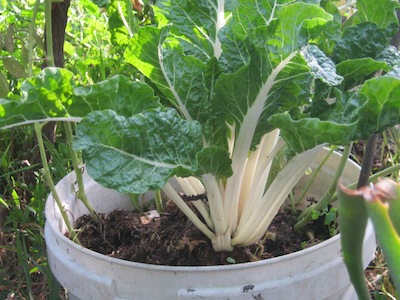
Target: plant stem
(135,200)
(49,34)
(49,181)
(306,216)
(313,175)
(123,19)
(31,38)
(372,178)
(368,159)
(79,178)
(158,200)
(174,196)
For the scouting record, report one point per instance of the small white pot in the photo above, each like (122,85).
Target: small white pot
(317,272)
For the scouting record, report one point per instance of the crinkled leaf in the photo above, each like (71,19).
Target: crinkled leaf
(194,23)
(373,26)
(269,83)
(47,96)
(177,76)
(52,95)
(390,55)
(262,92)
(321,67)
(139,153)
(361,40)
(286,29)
(120,94)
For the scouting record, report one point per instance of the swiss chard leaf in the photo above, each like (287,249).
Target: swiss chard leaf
(321,67)
(47,96)
(52,95)
(361,40)
(195,25)
(369,31)
(372,109)
(356,71)
(306,133)
(177,76)
(382,106)
(382,13)
(270,83)
(138,153)
(124,96)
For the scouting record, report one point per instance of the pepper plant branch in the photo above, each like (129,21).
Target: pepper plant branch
(31,38)
(386,172)
(368,159)
(79,178)
(49,181)
(306,216)
(313,176)
(49,34)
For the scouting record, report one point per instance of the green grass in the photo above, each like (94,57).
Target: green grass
(23,264)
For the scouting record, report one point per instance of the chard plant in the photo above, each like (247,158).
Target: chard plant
(229,85)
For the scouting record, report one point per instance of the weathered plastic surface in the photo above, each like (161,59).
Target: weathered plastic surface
(314,273)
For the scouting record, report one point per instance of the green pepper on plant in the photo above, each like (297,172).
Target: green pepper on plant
(381,203)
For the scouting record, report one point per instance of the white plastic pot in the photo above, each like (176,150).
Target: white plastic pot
(313,273)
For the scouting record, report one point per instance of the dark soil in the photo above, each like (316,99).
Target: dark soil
(172,240)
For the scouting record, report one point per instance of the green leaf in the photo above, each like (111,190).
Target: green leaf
(390,55)
(259,90)
(359,41)
(356,71)
(101,3)
(321,67)
(269,83)
(216,161)
(52,95)
(139,153)
(124,96)
(4,88)
(381,109)
(283,28)
(14,67)
(47,96)
(195,23)
(177,76)
(382,13)
(306,133)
